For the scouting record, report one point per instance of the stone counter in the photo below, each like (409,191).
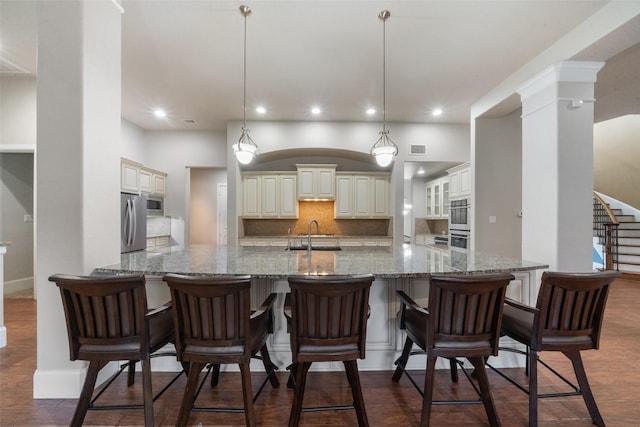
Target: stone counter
(278,262)
(405,268)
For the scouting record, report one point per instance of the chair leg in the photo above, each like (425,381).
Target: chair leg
(351,368)
(428,391)
(147,392)
(215,374)
(485,390)
(453,365)
(298,394)
(533,388)
(247,395)
(402,360)
(189,393)
(587,395)
(291,382)
(269,367)
(85,395)
(131,373)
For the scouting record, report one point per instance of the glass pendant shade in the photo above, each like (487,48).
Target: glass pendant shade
(245,150)
(384,149)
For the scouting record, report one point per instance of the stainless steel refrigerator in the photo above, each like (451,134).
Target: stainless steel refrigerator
(133,223)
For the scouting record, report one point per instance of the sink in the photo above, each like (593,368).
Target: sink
(314,248)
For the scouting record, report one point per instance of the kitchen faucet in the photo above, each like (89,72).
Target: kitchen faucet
(309,233)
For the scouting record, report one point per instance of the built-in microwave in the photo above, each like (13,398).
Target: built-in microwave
(155,205)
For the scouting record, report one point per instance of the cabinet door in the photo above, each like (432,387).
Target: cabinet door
(325,180)
(454,184)
(445,199)
(305,184)
(342,204)
(130,177)
(270,197)
(361,196)
(146,182)
(380,193)
(159,184)
(436,200)
(428,198)
(251,196)
(288,196)
(465,182)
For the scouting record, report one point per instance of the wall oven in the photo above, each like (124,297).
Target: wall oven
(459,238)
(459,214)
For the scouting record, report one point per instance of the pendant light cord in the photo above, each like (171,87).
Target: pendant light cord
(384,75)
(244,88)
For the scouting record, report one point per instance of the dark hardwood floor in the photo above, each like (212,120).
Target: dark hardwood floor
(613,372)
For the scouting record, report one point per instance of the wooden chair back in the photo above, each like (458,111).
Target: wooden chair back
(329,317)
(465,314)
(211,317)
(105,316)
(571,310)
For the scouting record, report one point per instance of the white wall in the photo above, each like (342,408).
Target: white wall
(134,144)
(17,110)
(498,186)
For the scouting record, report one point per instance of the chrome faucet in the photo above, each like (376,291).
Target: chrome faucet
(309,233)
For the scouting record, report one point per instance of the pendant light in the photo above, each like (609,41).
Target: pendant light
(384,149)
(245,150)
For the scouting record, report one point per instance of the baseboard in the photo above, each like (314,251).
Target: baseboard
(66,384)
(18,285)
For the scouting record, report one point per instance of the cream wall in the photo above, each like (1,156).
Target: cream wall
(203,215)
(616,158)
(17,110)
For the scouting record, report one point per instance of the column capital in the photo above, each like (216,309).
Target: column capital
(562,72)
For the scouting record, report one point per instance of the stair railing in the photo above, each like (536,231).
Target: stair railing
(605,228)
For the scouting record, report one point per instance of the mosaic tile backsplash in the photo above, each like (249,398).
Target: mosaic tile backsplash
(323,212)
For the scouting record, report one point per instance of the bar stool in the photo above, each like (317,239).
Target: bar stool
(214,325)
(107,320)
(328,323)
(567,318)
(462,320)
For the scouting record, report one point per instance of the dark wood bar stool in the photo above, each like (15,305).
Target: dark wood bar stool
(567,318)
(107,320)
(328,323)
(462,320)
(214,325)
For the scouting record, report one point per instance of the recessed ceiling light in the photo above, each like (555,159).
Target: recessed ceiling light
(436,112)
(315,110)
(160,113)
(261,110)
(371,111)
(420,171)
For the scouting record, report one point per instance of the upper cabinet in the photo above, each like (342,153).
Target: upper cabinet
(269,195)
(362,195)
(437,198)
(460,181)
(316,182)
(137,178)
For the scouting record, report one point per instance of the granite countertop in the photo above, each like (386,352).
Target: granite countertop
(278,263)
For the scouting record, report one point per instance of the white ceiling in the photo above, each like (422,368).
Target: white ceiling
(187,56)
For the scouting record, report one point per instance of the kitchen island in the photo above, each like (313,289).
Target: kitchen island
(404,268)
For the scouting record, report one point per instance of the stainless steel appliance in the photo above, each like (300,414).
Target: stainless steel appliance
(459,238)
(459,214)
(133,223)
(155,205)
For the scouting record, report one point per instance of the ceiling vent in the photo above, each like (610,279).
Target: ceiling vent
(418,150)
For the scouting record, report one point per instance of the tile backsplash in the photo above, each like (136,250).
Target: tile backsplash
(324,213)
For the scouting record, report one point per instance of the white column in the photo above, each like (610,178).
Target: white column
(557,165)
(77,168)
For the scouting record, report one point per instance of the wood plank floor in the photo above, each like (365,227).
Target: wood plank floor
(613,372)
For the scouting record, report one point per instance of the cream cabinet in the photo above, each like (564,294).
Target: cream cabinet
(362,195)
(137,178)
(130,176)
(460,181)
(152,181)
(269,195)
(437,198)
(316,181)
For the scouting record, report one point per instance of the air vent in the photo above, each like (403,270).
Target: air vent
(418,150)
